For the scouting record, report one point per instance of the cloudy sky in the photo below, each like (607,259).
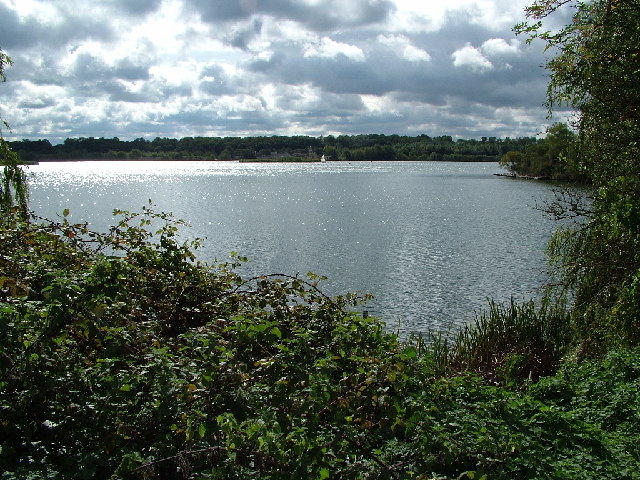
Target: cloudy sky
(176,68)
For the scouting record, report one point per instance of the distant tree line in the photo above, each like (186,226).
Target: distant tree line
(372,147)
(421,148)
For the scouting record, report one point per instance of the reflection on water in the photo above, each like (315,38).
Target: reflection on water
(431,241)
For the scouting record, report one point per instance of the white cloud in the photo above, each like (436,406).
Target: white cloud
(376,104)
(496,14)
(470,57)
(329,48)
(160,30)
(286,30)
(402,44)
(43,12)
(176,67)
(179,73)
(419,16)
(499,47)
(415,54)
(433,15)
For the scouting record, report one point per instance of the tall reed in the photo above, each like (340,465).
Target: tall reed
(508,342)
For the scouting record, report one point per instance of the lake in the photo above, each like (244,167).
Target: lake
(430,240)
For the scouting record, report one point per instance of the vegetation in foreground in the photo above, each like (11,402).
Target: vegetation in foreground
(123,357)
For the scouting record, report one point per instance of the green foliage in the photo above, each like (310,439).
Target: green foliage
(552,158)
(595,72)
(124,357)
(507,345)
(604,394)
(13,182)
(123,354)
(276,148)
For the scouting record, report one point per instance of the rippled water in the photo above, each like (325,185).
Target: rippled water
(432,241)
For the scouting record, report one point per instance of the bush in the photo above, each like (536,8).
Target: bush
(123,357)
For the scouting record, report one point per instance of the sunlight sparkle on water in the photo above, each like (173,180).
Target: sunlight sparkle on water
(429,240)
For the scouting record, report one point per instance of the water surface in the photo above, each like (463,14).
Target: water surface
(430,240)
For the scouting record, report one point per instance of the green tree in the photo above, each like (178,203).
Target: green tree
(13,182)
(595,73)
(553,157)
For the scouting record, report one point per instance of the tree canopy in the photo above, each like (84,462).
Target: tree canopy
(369,147)
(13,182)
(595,71)
(553,157)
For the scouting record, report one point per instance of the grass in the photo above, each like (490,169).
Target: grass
(507,343)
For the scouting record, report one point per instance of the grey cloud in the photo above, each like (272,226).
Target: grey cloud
(214,11)
(38,67)
(89,68)
(332,15)
(42,68)
(169,91)
(457,31)
(241,123)
(325,16)
(271,65)
(36,103)
(128,69)
(519,86)
(241,37)
(337,75)
(441,120)
(119,93)
(138,7)
(495,89)
(91,77)
(11,33)
(97,128)
(18,34)
(434,93)
(149,92)
(384,73)
(521,82)
(329,104)
(214,81)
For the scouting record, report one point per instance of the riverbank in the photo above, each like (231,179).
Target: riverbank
(523,177)
(284,159)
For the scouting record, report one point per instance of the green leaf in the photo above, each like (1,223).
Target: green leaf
(276,331)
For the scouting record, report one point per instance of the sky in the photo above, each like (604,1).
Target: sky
(179,68)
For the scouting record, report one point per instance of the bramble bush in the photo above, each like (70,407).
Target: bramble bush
(124,357)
